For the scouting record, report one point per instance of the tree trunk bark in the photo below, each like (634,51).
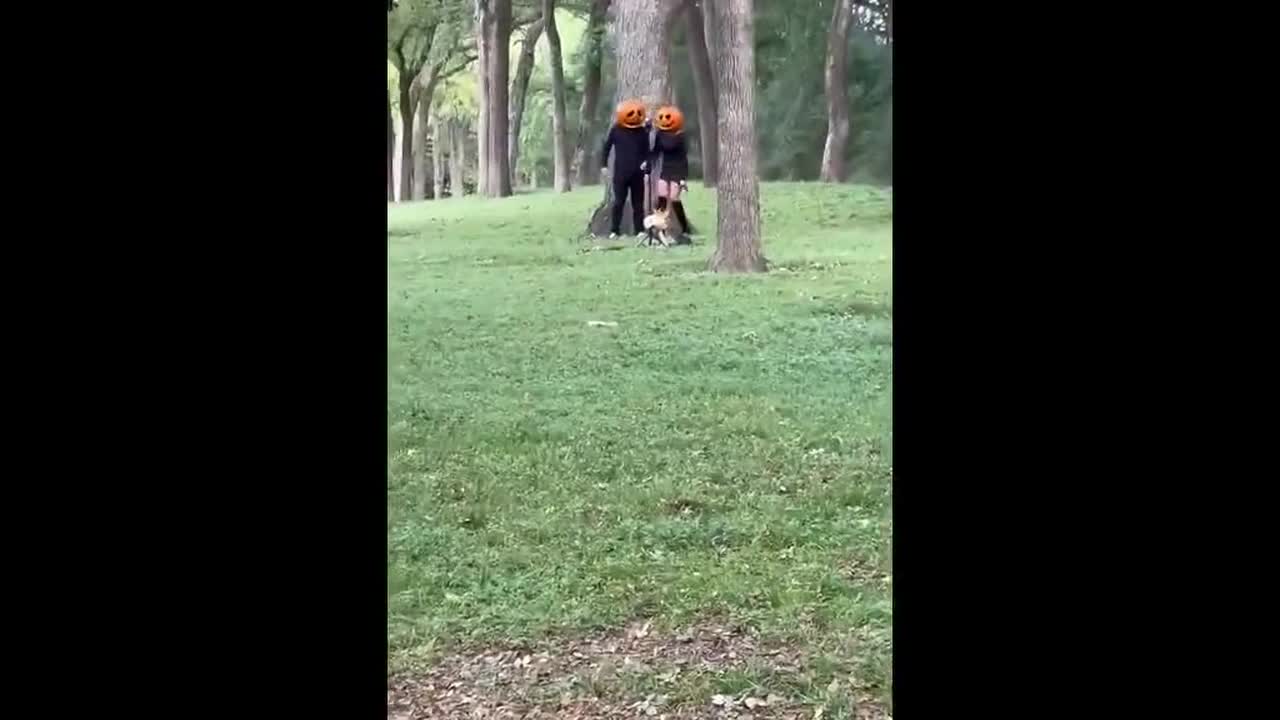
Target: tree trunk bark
(422,177)
(585,167)
(644,50)
(406,137)
(710,23)
(834,76)
(484,18)
(457,159)
(520,88)
(705,90)
(499,41)
(738,191)
(559,129)
(642,37)
(391,151)
(437,159)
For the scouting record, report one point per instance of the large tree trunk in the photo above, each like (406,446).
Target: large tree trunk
(559,129)
(406,137)
(484,19)
(457,159)
(738,191)
(391,151)
(519,89)
(834,77)
(641,31)
(499,50)
(641,35)
(437,158)
(705,89)
(585,167)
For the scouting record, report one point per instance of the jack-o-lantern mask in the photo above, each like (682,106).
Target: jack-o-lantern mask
(670,119)
(631,113)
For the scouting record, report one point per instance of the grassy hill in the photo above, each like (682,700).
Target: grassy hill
(616,452)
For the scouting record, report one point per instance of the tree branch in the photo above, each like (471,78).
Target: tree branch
(463,62)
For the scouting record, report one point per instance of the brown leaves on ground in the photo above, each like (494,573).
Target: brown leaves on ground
(637,673)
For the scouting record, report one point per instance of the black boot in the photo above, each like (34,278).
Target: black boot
(678,207)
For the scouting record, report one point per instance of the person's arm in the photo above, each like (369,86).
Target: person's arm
(653,146)
(604,154)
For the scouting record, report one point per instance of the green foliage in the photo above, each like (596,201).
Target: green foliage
(427,31)
(791,119)
(791,116)
(724,450)
(456,97)
(536,143)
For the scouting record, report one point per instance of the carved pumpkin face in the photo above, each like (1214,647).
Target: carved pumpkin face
(670,119)
(631,113)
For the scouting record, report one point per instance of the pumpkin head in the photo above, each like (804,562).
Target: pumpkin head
(670,119)
(631,113)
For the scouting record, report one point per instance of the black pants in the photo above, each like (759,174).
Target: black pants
(621,185)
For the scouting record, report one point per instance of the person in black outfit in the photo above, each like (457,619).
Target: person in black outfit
(669,145)
(629,139)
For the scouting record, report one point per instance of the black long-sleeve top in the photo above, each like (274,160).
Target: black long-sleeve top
(630,148)
(675,155)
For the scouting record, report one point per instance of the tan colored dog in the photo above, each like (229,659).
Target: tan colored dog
(657,229)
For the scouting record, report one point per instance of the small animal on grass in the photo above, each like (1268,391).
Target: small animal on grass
(657,229)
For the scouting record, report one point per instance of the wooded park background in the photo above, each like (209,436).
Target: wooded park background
(510,94)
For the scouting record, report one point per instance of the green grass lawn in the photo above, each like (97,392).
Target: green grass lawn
(723,454)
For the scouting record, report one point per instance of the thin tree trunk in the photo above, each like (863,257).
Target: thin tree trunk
(499,41)
(705,90)
(559,129)
(437,158)
(738,191)
(520,88)
(457,159)
(423,179)
(484,18)
(835,79)
(391,151)
(584,167)
(641,34)
(406,137)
